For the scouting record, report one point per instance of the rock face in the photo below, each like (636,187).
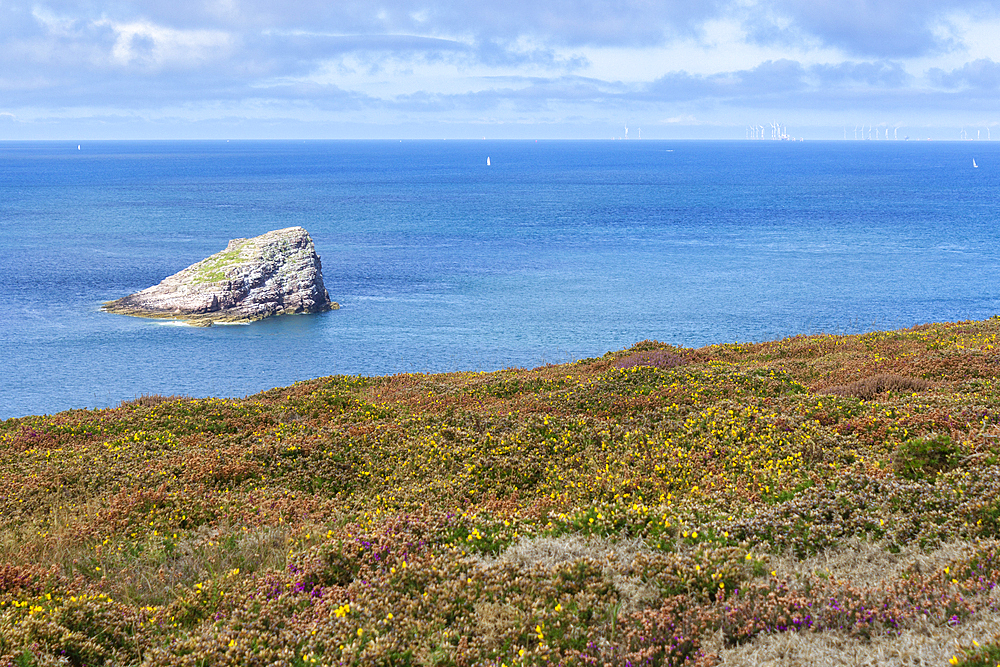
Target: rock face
(277,273)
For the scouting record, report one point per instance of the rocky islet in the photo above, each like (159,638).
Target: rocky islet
(277,273)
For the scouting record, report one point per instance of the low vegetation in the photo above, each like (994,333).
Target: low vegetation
(815,500)
(213,269)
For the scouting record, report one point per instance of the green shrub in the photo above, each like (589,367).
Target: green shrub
(981,656)
(926,456)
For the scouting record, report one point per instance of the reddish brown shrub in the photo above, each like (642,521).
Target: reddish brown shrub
(656,358)
(871,387)
(149,400)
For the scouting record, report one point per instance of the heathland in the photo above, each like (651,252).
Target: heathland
(815,500)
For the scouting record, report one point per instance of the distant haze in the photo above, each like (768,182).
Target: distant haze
(814,69)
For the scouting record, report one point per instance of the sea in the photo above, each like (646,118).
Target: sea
(552,252)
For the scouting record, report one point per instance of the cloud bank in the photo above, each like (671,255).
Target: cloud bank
(530,64)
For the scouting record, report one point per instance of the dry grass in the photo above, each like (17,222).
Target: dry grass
(926,645)
(148,571)
(495,620)
(207,554)
(611,555)
(865,564)
(549,552)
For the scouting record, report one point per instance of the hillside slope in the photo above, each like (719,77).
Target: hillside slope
(819,498)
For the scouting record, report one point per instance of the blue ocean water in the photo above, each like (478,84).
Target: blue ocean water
(556,251)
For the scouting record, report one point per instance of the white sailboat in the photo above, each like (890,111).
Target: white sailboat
(487,160)
(974,165)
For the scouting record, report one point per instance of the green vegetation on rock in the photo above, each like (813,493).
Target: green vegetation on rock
(656,505)
(212,269)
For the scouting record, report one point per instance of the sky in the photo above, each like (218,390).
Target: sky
(586,69)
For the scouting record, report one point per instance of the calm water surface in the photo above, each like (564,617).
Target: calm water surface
(557,251)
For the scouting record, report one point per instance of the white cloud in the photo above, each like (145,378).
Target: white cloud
(149,45)
(527,61)
(54,23)
(722,46)
(687,119)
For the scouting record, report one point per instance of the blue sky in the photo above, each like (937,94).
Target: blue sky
(81,69)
